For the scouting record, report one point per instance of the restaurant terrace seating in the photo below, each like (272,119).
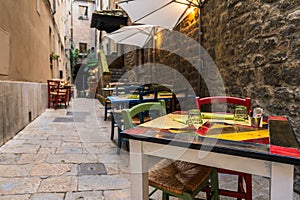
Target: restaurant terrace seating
(135,92)
(117,120)
(175,178)
(113,89)
(245,193)
(57,93)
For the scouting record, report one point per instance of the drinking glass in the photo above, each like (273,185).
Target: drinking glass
(257,112)
(194,117)
(257,117)
(240,113)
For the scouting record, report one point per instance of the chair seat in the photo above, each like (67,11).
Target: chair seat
(60,93)
(178,176)
(136,119)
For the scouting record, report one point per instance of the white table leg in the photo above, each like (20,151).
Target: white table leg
(282,176)
(139,171)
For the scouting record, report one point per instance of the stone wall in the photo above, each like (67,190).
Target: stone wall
(20,103)
(256,47)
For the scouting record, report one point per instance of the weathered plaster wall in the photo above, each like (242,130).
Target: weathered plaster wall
(27,24)
(20,102)
(28,36)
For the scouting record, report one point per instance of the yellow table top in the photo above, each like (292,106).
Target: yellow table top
(227,129)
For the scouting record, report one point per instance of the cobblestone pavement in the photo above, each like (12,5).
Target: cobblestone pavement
(58,156)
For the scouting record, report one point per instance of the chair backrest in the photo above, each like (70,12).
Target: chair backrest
(55,87)
(224,99)
(146,90)
(127,114)
(131,89)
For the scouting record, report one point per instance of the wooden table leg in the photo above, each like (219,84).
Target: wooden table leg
(139,171)
(282,176)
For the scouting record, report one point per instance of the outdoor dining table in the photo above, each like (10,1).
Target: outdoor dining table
(223,143)
(135,98)
(126,100)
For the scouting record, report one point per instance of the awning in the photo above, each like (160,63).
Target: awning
(108,22)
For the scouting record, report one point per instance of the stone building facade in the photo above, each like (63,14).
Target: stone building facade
(30,32)
(84,38)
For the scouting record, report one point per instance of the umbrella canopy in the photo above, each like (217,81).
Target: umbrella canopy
(164,13)
(137,35)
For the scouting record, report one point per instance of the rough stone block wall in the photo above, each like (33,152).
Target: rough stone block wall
(19,101)
(256,46)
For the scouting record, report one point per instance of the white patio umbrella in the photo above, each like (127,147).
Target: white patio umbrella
(164,13)
(137,35)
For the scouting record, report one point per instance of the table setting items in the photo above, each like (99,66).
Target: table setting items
(256,118)
(240,113)
(194,118)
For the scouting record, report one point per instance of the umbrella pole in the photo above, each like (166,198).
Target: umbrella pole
(200,24)
(200,12)
(200,53)
(153,52)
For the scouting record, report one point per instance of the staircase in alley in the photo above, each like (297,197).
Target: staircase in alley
(116,73)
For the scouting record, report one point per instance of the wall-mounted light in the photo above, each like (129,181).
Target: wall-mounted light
(190,10)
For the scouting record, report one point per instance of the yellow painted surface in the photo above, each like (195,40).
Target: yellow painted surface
(242,135)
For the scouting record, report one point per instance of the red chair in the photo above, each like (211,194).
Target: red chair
(56,94)
(241,193)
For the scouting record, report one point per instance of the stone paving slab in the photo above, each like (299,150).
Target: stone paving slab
(9,158)
(48,196)
(117,194)
(15,170)
(50,169)
(26,148)
(70,158)
(22,185)
(103,182)
(58,184)
(15,197)
(85,195)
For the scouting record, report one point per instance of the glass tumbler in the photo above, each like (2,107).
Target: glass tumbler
(240,113)
(194,117)
(256,119)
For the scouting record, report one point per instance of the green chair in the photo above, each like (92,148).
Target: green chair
(174,178)
(136,115)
